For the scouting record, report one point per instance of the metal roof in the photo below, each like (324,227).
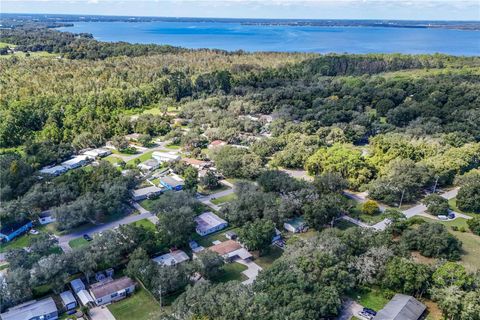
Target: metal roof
(30,310)
(401,307)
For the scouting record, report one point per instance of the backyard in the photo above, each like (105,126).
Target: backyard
(140,306)
(269,258)
(370,298)
(227,198)
(147,224)
(232,271)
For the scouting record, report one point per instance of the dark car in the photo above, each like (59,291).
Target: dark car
(369,311)
(87,237)
(451,215)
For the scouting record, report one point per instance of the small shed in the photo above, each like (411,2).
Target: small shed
(68,300)
(296,225)
(77,285)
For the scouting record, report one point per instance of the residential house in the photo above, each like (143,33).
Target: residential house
(172,258)
(111,290)
(68,300)
(231,250)
(76,162)
(401,307)
(149,165)
(197,164)
(172,182)
(97,153)
(46,217)
(296,225)
(53,171)
(216,144)
(165,156)
(195,247)
(145,193)
(208,222)
(77,285)
(11,230)
(44,309)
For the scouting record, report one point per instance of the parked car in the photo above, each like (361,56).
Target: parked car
(451,215)
(33,231)
(87,237)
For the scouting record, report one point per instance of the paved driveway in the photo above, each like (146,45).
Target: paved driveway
(349,309)
(251,272)
(101,313)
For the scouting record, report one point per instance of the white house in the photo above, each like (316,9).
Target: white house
(85,297)
(76,162)
(53,171)
(149,165)
(111,290)
(95,153)
(165,156)
(68,300)
(173,258)
(208,222)
(296,225)
(145,193)
(44,309)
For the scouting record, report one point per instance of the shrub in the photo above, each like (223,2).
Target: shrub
(370,207)
(474,225)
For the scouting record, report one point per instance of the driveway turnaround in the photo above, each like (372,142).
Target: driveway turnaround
(100,313)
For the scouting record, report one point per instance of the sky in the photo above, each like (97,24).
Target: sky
(281,9)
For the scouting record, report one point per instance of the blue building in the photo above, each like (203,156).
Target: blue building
(172,183)
(12,230)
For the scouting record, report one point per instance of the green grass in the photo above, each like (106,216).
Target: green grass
(232,271)
(149,204)
(221,187)
(3,266)
(453,205)
(227,198)
(78,243)
(140,306)
(17,243)
(155,181)
(267,259)
(470,242)
(370,298)
(343,224)
(172,146)
(42,290)
(112,159)
(144,157)
(4,44)
(147,224)
(206,241)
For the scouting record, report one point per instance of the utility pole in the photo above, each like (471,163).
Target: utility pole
(435,186)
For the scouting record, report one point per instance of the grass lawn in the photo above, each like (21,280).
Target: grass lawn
(370,298)
(343,224)
(221,187)
(470,242)
(155,181)
(112,159)
(453,205)
(232,271)
(144,157)
(267,259)
(227,198)
(147,224)
(149,204)
(3,266)
(206,241)
(140,306)
(172,146)
(78,243)
(17,243)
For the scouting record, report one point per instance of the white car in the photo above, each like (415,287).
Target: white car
(33,231)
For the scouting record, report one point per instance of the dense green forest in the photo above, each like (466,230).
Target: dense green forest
(397,126)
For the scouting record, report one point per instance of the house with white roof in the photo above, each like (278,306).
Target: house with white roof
(173,258)
(95,153)
(44,309)
(165,156)
(68,300)
(149,165)
(53,171)
(145,193)
(76,162)
(208,222)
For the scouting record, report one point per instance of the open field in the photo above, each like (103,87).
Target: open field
(140,306)
(470,242)
(144,157)
(269,258)
(147,224)
(78,243)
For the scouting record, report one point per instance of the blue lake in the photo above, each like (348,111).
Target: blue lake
(235,36)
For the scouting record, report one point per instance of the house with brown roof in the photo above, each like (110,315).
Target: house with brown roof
(231,250)
(216,144)
(198,164)
(110,290)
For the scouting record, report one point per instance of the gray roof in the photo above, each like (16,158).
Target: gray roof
(77,285)
(401,307)
(109,287)
(171,181)
(31,309)
(67,297)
